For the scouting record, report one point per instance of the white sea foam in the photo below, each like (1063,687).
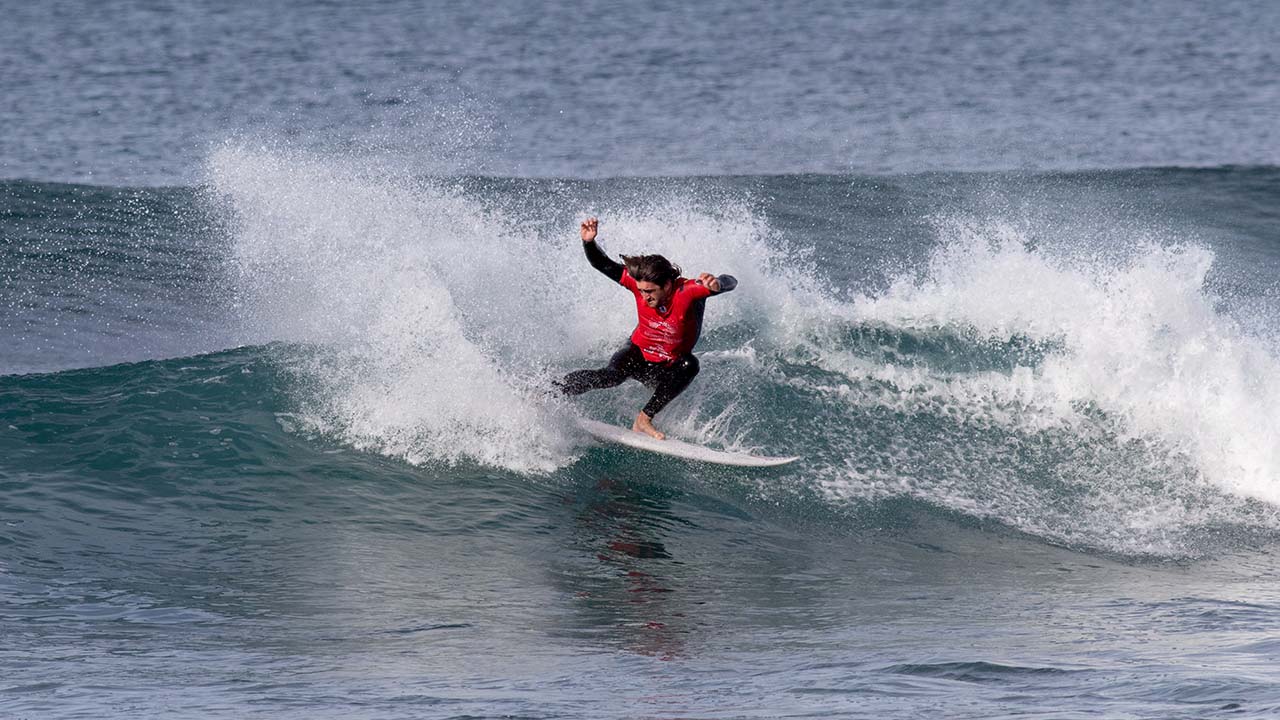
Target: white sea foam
(1144,341)
(1153,414)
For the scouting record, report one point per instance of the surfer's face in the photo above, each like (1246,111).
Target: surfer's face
(655,295)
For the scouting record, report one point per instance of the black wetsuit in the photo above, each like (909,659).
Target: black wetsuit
(668,379)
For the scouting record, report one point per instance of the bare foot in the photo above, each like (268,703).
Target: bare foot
(644,424)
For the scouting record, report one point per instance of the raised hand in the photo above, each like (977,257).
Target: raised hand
(709,281)
(589,228)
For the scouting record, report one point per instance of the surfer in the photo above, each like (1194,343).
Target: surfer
(660,350)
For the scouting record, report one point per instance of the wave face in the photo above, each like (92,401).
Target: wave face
(1030,351)
(1085,358)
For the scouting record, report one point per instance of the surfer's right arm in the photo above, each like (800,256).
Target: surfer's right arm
(595,255)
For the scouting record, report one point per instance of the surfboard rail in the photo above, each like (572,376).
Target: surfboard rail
(677,448)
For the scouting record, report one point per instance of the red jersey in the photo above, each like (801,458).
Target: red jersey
(665,333)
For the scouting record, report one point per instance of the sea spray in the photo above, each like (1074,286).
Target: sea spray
(368,269)
(444,317)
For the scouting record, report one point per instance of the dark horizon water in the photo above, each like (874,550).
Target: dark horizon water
(142,93)
(283,288)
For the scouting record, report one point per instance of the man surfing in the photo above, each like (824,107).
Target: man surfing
(669,320)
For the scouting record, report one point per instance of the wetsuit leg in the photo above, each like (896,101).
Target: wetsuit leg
(624,364)
(671,380)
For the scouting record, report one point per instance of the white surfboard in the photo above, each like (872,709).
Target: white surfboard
(677,448)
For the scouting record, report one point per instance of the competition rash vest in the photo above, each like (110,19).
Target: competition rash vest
(665,333)
(662,334)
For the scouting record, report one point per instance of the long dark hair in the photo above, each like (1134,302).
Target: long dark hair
(651,268)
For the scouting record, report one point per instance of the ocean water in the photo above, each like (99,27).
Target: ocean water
(284,288)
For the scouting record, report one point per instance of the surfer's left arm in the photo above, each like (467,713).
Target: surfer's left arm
(717,284)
